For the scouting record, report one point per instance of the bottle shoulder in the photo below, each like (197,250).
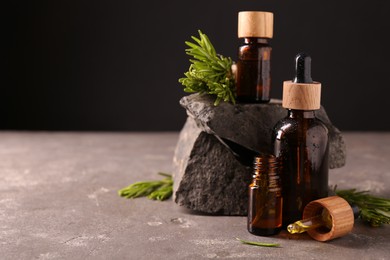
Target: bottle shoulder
(254,48)
(287,126)
(255,45)
(287,121)
(248,52)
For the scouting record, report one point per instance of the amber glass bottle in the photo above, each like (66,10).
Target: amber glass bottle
(265,198)
(253,78)
(301,143)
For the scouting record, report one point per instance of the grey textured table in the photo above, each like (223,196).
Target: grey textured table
(58,200)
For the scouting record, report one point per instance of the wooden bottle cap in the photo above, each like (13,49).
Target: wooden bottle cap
(301,96)
(341,213)
(255,24)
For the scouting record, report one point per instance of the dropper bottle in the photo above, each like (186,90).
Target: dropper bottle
(301,143)
(253,77)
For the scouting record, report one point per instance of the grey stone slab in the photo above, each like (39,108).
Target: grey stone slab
(250,125)
(208,178)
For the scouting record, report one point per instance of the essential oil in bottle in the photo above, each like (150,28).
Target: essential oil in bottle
(253,77)
(301,143)
(265,198)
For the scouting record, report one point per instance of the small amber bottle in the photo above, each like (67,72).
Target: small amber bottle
(265,198)
(253,77)
(301,143)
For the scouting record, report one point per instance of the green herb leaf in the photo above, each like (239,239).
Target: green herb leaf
(155,190)
(162,193)
(165,175)
(374,210)
(258,243)
(209,72)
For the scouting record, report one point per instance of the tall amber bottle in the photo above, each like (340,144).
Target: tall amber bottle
(301,143)
(265,197)
(253,78)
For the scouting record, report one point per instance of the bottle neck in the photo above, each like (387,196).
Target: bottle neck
(265,165)
(266,173)
(293,113)
(254,40)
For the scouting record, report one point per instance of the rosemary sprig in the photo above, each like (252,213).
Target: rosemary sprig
(209,72)
(155,190)
(258,243)
(374,210)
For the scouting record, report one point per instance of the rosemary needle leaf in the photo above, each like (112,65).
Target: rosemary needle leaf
(156,190)
(165,174)
(163,193)
(139,189)
(258,243)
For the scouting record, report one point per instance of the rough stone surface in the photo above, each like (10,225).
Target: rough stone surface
(208,177)
(250,125)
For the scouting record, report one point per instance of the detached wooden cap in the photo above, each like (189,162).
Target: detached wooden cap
(341,213)
(255,24)
(301,96)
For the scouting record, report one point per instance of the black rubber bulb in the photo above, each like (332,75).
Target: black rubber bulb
(302,68)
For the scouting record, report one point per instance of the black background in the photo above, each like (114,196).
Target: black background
(114,65)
